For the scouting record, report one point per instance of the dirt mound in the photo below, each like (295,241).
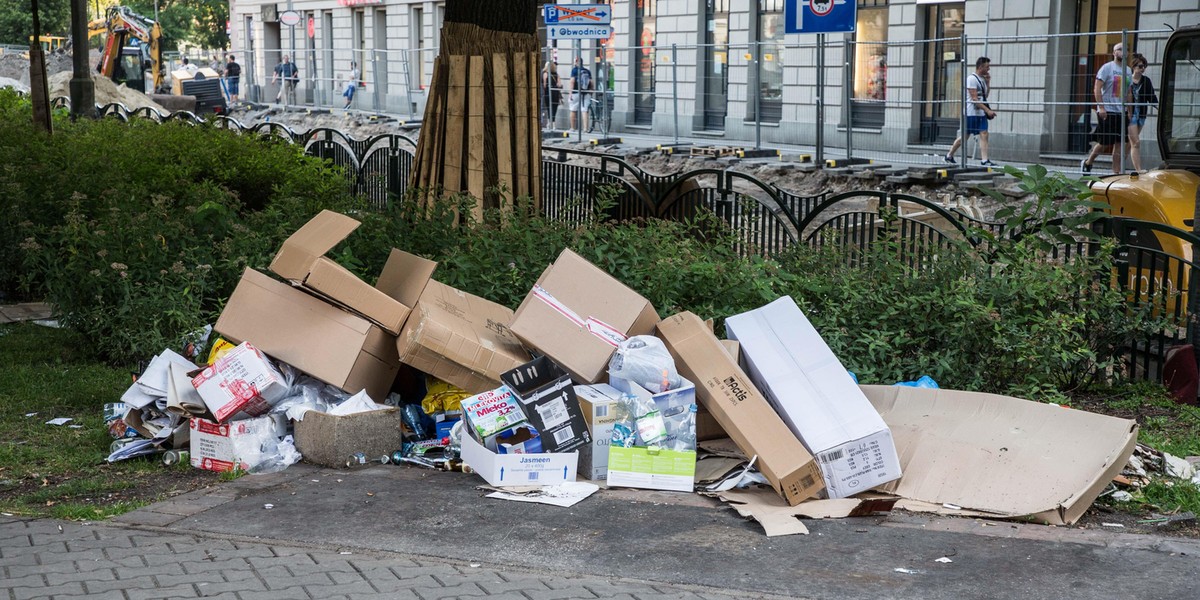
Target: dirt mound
(107,92)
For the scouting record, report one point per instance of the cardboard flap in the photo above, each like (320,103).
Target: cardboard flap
(404,276)
(1001,455)
(311,242)
(575,282)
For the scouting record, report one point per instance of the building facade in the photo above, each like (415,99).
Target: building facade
(725,69)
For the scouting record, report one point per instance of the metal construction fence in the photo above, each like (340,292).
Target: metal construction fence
(900,100)
(760,218)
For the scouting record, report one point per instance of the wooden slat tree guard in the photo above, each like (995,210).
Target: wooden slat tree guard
(481,134)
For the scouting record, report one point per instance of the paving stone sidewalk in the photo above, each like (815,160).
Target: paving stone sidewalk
(42,558)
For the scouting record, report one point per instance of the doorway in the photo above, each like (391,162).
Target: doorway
(716,64)
(942,79)
(1090,52)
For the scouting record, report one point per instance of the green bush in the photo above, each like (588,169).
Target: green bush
(138,233)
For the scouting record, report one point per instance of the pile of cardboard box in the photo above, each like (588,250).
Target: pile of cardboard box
(539,405)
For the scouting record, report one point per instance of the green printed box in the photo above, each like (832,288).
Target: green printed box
(651,468)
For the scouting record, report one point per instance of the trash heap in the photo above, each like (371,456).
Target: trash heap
(586,380)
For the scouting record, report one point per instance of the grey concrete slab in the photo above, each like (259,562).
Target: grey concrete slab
(690,541)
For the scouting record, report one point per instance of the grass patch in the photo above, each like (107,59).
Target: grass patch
(59,471)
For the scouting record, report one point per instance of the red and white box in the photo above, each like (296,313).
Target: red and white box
(240,385)
(214,445)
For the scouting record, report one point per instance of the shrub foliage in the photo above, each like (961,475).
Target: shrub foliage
(138,233)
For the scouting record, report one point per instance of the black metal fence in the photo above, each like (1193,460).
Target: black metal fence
(763,219)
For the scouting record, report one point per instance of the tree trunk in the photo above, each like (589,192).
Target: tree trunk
(481,135)
(39,87)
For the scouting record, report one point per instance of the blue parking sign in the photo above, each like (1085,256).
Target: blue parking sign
(819,16)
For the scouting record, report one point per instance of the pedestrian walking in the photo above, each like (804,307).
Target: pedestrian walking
(977,111)
(351,84)
(1111,81)
(1141,98)
(233,77)
(581,84)
(551,94)
(288,74)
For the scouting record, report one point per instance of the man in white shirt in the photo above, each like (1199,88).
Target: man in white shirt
(978,111)
(1111,80)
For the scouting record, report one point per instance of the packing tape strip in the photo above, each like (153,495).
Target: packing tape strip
(609,334)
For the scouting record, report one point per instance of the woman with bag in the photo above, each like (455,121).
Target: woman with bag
(1141,98)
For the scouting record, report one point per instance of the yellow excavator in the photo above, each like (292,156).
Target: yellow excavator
(131,49)
(1168,194)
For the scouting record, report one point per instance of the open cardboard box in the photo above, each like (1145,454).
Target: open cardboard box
(577,315)
(507,470)
(320,339)
(302,261)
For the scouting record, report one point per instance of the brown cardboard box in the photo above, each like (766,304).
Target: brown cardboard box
(460,338)
(998,456)
(302,261)
(310,334)
(329,440)
(725,390)
(577,314)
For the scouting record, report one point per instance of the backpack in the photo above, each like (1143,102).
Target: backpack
(585,78)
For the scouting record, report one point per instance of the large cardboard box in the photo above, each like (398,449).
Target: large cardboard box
(329,440)
(214,446)
(811,390)
(968,453)
(460,338)
(310,334)
(727,392)
(546,395)
(506,470)
(302,261)
(577,315)
(240,385)
(597,402)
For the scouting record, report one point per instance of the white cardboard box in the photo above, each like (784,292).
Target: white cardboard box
(507,470)
(597,402)
(213,444)
(241,384)
(794,368)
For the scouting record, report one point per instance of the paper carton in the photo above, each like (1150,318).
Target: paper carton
(651,468)
(999,456)
(460,338)
(320,339)
(546,395)
(506,470)
(302,261)
(597,402)
(810,389)
(577,314)
(214,445)
(241,384)
(328,440)
(492,412)
(725,390)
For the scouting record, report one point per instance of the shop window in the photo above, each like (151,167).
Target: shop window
(870,64)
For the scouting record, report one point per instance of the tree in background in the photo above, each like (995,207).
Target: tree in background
(198,23)
(16,20)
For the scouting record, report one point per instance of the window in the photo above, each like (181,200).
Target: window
(769,35)
(870,50)
(645,25)
(417,31)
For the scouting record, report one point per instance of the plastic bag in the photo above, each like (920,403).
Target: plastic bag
(262,452)
(308,394)
(644,360)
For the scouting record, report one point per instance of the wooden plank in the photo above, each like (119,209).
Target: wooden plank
(427,154)
(475,133)
(535,134)
(504,124)
(521,81)
(456,116)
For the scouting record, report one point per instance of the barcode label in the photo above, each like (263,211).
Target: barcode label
(563,435)
(601,411)
(832,456)
(533,475)
(807,482)
(553,413)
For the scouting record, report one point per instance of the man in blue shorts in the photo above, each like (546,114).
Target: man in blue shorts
(978,111)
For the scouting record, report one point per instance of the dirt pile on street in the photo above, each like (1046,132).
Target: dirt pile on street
(107,92)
